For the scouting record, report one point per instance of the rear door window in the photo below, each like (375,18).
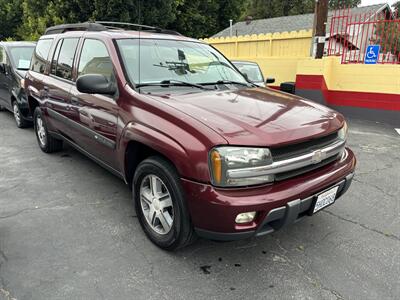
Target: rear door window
(65,58)
(40,55)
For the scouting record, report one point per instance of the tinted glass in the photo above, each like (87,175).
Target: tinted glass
(95,59)
(40,55)
(175,60)
(21,57)
(66,58)
(253,71)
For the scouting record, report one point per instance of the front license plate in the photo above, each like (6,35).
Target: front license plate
(325,199)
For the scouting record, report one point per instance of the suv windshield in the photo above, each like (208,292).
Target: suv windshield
(160,61)
(21,57)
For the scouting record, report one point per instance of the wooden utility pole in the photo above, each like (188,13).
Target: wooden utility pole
(321,17)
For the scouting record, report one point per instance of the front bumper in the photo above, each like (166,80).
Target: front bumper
(213,210)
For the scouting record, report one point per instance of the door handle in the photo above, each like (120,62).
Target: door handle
(46,88)
(74,101)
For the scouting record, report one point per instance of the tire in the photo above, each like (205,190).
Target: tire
(46,142)
(19,120)
(163,173)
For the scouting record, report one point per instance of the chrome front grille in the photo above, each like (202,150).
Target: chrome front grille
(298,159)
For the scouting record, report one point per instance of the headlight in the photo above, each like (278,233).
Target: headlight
(22,83)
(342,133)
(224,159)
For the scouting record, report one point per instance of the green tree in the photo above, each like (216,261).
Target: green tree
(336,4)
(260,9)
(202,18)
(10,18)
(275,8)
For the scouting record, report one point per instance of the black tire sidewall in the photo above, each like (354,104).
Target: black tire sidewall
(38,112)
(21,123)
(156,166)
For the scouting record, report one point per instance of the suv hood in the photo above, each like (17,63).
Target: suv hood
(256,116)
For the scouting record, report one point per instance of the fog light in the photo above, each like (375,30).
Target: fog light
(245,217)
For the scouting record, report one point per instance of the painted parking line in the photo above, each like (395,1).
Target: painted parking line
(368,133)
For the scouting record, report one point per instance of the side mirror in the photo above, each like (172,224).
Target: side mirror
(95,84)
(270,80)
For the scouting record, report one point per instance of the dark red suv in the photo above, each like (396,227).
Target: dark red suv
(206,152)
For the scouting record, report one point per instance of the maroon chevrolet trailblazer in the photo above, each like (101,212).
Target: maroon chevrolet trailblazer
(206,152)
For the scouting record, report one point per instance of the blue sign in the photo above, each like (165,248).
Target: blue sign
(372,54)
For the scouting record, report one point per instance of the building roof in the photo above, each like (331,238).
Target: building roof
(290,23)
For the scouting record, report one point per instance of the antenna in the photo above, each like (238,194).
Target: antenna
(140,29)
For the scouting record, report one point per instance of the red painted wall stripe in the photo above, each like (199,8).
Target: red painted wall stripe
(348,98)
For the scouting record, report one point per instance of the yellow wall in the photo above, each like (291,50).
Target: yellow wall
(283,55)
(353,77)
(268,50)
(283,44)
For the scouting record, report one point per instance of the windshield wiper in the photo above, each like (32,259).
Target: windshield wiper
(172,82)
(229,82)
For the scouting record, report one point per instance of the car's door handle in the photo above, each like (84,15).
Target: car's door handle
(46,88)
(74,101)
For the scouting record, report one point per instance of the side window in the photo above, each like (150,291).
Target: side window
(66,58)
(40,55)
(95,59)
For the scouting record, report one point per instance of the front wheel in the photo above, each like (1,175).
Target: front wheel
(46,142)
(19,120)
(160,204)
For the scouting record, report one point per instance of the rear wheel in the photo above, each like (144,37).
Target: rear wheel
(46,142)
(21,122)
(160,204)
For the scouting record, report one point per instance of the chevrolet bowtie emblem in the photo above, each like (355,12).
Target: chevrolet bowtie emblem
(318,156)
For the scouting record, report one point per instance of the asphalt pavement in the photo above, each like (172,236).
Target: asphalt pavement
(68,230)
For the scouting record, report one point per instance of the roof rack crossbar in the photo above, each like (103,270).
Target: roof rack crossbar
(104,26)
(139,27)
(86,26)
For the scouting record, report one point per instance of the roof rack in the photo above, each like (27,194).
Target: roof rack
(104,26)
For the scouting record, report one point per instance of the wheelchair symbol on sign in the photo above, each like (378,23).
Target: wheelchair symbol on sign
(371,54)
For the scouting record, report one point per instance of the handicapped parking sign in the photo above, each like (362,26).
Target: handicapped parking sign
(372,54)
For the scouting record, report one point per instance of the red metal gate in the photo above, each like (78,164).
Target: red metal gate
(351,34)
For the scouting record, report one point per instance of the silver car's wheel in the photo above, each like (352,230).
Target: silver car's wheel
(17,116)
(41,131)
(156,204)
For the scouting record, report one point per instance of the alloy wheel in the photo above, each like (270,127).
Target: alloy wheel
(156,204)
(41,131)
(17,116)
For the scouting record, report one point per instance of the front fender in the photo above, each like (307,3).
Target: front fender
(189,163)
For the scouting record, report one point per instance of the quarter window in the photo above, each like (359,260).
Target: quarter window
(95,59)
(66,58)
(40,55)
